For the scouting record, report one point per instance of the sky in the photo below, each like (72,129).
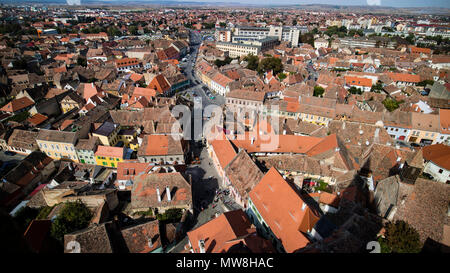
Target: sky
(388,3)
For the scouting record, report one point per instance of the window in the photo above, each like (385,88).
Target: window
(440,171)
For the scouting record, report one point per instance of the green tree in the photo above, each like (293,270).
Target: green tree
(355,90)
(44,212)
(20,64)
(170,215)
(390,104)
(72,217)
(223,24)
(133,30)
(24,216)
(318,91)
(113,31)
(252,61)
(270,63)
(220,63)
(425,83)
(282,76)
(400,237)
(410,38)
(82,61)
(378,87)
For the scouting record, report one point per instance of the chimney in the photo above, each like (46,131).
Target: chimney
(158,194)
(168,193)
(304,206)
(92,84)
(253,140)
(284,131)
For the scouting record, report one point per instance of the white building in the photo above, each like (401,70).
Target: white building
(437,162)
(318,43)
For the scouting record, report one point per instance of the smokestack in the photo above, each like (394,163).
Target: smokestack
(168,193)
(158,194)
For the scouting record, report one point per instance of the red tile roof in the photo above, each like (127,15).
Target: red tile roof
(37,119)
(227,230)
(280,144)
(349,80)
(124,62)
(403,77)
(444,116)
(17,104)
(128,170)
(223,150)
(288,216)
(439,154)
(108,151)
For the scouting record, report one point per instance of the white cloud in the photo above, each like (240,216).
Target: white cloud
(73,2)
(373,2)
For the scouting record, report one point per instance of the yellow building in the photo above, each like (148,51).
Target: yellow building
(315,119)
(107,133)
(108,156)
(127,136)
(71,101)
(425,128)
(58,144)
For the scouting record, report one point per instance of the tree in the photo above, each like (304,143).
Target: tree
(400,237)
(252,61)
(113,31)
(318,91)
(220,63)
(73,216)
(282,76)
(133,30)
(355,90)
(82,62)
(170,215)
(270,63)
(390,104)
(223,24)
(377,87)
(24,216)
(410,39)
(425,83)
(20,64)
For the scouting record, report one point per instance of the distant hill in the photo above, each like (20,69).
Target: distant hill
(169,3)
